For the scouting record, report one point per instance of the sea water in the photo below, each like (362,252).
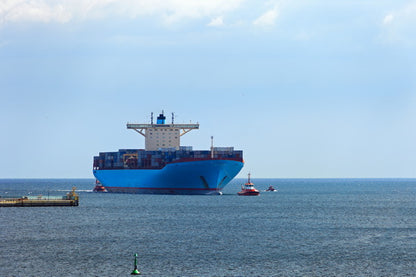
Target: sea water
(309,227)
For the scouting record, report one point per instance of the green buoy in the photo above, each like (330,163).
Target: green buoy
(135,271)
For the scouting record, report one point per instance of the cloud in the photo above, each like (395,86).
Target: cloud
(29,11)
(62,11)
(398,25)
(216,22)
(388,19)
(267,19)
(403,15)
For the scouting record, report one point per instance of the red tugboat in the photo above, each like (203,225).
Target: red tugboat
(248,188)
(99,187)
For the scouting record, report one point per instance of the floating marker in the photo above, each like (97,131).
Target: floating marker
(135,271)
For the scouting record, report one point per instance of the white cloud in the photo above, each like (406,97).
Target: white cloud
(399,25)
(216,22)
(15,11)
(267,19)
(403,15)
(64,11)
(388,19)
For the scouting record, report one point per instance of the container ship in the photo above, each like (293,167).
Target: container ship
(166,167)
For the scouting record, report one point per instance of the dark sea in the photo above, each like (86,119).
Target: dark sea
(309,227)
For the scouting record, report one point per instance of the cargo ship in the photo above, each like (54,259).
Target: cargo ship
(166,167)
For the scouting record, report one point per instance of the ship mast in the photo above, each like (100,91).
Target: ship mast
(212,147)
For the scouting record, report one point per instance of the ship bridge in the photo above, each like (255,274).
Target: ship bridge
(162,135)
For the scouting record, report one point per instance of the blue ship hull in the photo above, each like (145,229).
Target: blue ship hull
(191,177)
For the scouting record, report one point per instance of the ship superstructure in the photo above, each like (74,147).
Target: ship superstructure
(162,135)
(166,167)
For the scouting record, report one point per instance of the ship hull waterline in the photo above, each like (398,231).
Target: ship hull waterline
(207,177)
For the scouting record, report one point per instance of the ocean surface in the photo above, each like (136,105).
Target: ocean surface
(309,227)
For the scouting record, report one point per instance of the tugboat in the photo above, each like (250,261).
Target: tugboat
(271,188)
(99,187)
(248,189)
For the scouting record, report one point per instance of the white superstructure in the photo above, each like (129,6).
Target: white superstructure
(162,135)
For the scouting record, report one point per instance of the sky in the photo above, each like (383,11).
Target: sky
(307,89)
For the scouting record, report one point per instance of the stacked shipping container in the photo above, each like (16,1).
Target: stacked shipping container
(141,159)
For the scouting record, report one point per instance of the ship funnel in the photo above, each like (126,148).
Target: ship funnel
(161,119)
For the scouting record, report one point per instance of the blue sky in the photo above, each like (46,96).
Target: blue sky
(307,89)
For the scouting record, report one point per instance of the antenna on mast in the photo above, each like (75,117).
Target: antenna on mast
(173,117)
(151,118)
